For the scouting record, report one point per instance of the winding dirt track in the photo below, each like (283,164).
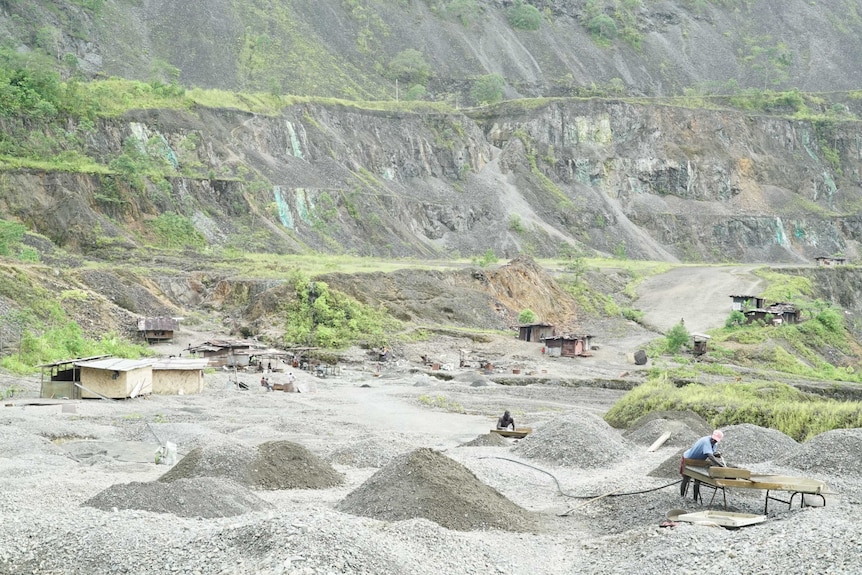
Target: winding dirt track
(698,295)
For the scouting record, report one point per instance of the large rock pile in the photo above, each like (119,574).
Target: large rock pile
(835,453)
(575,439)
(747,443)
(271,465)
(487,440)
(370,452)
(198,497)
(426,484)
(685,428)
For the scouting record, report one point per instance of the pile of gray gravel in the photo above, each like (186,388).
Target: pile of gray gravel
(575,439)
(271,465)
(15,442)
(198,497)
(426,484)
(685,428)
(834,452)
(487,440)
(747,443)
(370,452)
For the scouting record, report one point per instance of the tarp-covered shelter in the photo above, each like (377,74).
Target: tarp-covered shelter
(178,376)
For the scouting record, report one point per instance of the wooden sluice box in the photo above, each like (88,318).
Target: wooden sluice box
(721,478)
(518,433)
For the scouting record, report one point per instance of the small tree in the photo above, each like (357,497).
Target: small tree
(523,16)
(465,11)
(527,316)
(603,26)
(676,338)
(416,92)
(735,319)
(488,89)
(410,66)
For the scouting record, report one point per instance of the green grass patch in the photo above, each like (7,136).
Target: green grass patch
(769,404)
(441,402)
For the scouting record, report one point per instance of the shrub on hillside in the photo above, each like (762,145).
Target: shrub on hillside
(523,16)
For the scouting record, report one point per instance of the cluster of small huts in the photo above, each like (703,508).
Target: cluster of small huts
(567,345)
(105,376)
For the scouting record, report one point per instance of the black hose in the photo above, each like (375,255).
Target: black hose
(564,494)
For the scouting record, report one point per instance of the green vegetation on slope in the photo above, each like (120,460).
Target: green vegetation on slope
(774,405)
(46,332)
(316,315)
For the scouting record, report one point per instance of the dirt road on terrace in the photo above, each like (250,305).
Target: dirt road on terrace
(699,295)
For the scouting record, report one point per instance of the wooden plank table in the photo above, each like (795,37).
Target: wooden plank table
(701,471)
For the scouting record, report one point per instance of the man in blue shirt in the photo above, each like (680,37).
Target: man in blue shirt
(703,449)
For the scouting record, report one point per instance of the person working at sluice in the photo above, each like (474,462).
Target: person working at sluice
(704,450)
(505,421)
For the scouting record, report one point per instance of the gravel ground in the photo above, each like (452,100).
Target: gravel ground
(48,528)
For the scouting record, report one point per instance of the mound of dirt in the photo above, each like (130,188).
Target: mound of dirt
(669,467)
(642,429)
(271,465)
(16,442)
(835,452)
(747,443)
(370,452)
(575,439)
(487,440)
(198,497)
(426,484)
(680,433)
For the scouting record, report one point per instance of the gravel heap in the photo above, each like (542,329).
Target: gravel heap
(575,439)
(186,436)
(370,452)
(487,440)
(426,484)
(198,497)
(669,467)
(15,442)
(835,452)
(685,427)
(747,443)
(271,465)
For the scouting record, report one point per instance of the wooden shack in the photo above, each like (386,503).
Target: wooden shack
(777,314)
(568,346)
(178,376)
(116,378)
(225,352)
(824,261)
(535,332)
(746,302)
(699,343)
(157,329)
(63,378)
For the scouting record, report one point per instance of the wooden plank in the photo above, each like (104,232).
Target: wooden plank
(659,442)
(729,473)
